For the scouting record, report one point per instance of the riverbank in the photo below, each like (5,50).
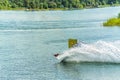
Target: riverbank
(54,9)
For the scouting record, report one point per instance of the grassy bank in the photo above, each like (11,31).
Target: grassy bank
(112,22)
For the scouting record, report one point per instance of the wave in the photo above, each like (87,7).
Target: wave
(35,25)
(100,51)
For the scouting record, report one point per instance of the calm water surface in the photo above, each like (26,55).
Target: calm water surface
(28,41)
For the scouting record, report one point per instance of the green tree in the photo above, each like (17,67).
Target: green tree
(52,5)
(26,4)
(14,5)
(58,4)
(103,3)
(65,3)
(41,6)
(70,6)
(37,3)
(32,4)
(119,15)
(45,5)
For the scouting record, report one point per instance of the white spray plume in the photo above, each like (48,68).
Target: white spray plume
(99,51)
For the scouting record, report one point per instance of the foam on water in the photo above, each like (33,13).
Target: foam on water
(100,51)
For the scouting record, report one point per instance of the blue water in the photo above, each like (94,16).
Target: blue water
(28,40)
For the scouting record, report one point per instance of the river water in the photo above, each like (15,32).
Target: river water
(28,40)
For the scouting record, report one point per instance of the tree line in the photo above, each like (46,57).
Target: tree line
(53,4)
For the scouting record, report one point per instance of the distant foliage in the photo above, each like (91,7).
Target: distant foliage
(52,4)
(119,15)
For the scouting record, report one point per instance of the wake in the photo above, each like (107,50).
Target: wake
(99,51)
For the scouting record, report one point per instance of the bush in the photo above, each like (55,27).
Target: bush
(112,22)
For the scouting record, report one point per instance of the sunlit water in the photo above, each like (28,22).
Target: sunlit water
(28,41)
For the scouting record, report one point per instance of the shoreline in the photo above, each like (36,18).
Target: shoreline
(57,9)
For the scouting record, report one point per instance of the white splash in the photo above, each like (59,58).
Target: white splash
(99,51)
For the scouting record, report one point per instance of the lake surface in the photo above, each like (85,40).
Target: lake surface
(28,40)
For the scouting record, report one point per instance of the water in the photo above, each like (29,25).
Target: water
(28,41)
(99,51)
